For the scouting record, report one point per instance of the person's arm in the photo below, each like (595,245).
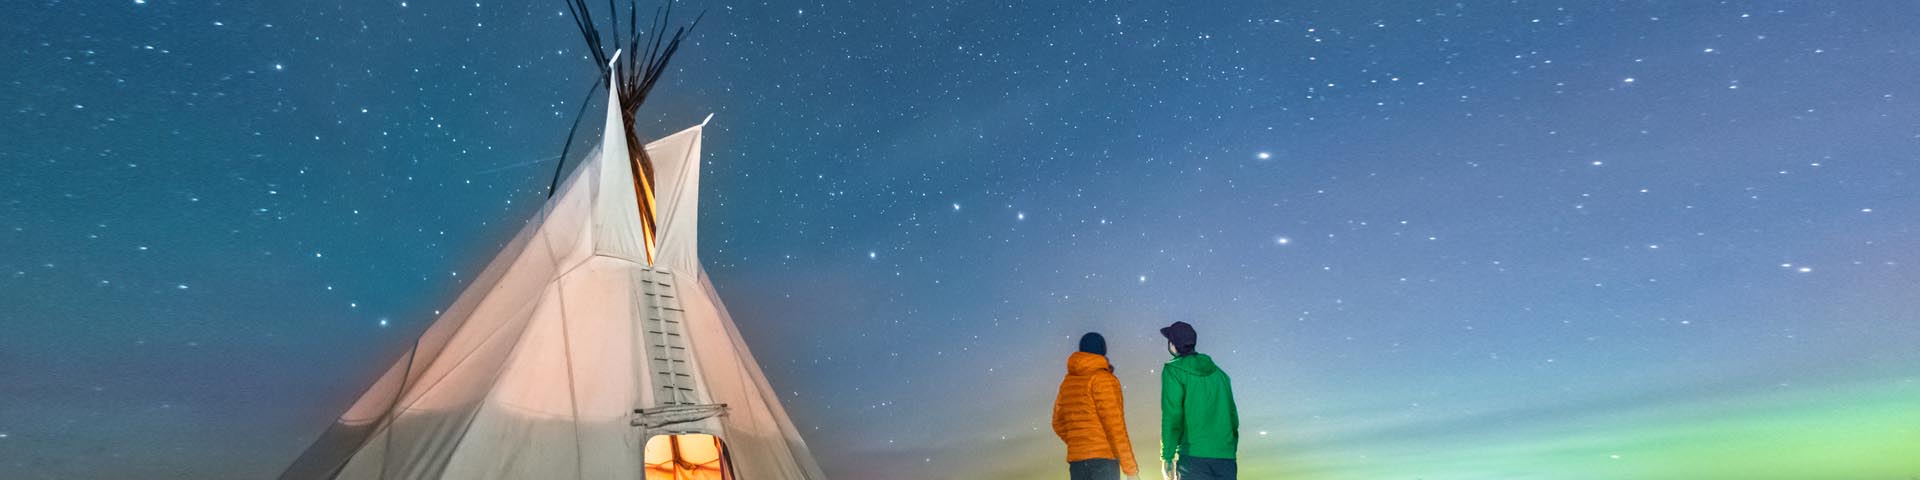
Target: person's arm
(1110,406)
(1233,412)
(1059,421)
(1173,419)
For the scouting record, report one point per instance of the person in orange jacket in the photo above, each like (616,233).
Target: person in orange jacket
(1088,415)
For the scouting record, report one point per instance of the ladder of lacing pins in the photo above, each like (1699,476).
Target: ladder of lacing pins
(675,403)
(667,354)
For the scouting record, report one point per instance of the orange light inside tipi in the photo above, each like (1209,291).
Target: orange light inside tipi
(686,457)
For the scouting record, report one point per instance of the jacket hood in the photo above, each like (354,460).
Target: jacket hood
(1083,363)
(1197,364)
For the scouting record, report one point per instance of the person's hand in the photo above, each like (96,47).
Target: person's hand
(1169,473)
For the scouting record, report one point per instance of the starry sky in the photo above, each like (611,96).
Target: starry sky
(1438,240)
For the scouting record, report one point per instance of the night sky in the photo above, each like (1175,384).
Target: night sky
(1569,240)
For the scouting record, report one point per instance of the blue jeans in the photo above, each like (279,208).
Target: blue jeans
(1202,468)
(1094,469)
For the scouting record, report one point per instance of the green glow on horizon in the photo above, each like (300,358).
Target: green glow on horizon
(1867,433)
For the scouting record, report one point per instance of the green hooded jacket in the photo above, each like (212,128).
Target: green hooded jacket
(1197,416)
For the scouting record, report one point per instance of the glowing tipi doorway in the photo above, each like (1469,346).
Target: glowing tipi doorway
(693,456)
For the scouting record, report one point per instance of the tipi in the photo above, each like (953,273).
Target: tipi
(572,356)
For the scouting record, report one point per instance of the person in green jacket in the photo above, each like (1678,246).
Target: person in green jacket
(1199,427)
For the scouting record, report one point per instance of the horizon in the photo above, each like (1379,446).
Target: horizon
(1438,241)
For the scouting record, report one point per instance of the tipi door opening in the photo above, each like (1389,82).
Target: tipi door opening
(692,456)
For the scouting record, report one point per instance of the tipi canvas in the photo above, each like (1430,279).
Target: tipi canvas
(571,351)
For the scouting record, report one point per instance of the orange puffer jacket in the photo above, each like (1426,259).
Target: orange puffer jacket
(1088,413)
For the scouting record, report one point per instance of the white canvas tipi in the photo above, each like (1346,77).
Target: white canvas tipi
(571,351)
